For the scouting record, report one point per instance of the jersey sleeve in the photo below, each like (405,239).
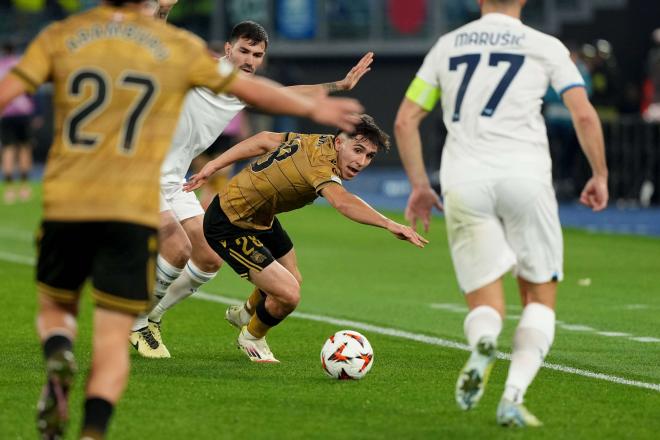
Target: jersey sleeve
(424,90)
(205,71)
(320,171)
(36,65)
(564,74)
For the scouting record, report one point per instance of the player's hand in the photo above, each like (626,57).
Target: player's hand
(406,233)
(198,180)
(595,194)
(420,204)
(343,113)
(164,8)
(356,73)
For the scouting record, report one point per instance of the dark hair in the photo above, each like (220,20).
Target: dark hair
(250,30)
(368,129)
(123,2)
(503,2)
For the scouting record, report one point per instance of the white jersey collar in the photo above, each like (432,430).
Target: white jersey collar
(499,17)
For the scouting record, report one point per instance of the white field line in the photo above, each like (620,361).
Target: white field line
(418,337)
(458,308)
(432,340)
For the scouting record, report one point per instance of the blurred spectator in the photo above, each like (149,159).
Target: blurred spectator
(564,145)
(651,102)
(602,64)
(15,135)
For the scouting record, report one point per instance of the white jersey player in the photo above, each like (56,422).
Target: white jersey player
(500,207)
(185,260)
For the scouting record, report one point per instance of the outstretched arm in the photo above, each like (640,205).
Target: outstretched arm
(590,134)
(260,143)
(358,210)
(350,80)
(406,131)
(260,92)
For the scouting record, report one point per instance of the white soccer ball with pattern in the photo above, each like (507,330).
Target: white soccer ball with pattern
(347,355)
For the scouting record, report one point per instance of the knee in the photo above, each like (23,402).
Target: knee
(291,296)
(207,260)
(182,253)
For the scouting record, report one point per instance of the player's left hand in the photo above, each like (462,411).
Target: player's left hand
(403,232)
(356,73)
(420,204)
(595,194)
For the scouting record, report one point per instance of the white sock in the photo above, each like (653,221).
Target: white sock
(184,286)
(140,322)
(165,275)
(482,321)
(531,343)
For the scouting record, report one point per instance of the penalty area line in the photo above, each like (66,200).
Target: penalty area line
(433,340)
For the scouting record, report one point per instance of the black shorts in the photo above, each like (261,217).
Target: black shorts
(118,257)
(244,249)
(15,130)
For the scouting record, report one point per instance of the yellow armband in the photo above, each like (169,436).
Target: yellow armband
(423,94)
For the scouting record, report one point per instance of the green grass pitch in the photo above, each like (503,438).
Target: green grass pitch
(209,390)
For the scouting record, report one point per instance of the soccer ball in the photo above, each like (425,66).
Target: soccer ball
(347,355)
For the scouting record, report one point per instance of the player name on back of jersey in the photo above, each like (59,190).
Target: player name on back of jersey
(501,39)
(128,31)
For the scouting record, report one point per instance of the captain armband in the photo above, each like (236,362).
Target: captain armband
(423,94)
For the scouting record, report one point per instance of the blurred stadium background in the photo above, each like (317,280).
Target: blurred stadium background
(318,40)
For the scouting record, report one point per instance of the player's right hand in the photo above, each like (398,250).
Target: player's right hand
(403,232)
(420,204)
(343,113)
(198,180)
(595,194)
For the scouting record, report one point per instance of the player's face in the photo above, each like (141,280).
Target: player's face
(247,57)
(353,155)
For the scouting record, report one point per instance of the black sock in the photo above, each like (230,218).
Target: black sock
(56,343)
(264,315)
(97,416)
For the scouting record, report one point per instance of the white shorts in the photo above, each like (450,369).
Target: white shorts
(183,204)
(496,226)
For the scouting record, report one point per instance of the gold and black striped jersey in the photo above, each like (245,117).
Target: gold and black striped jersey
(286,179)
(119,83)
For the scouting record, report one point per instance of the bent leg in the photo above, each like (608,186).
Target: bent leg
(283,296)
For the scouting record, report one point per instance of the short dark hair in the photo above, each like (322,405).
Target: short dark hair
(123,2)
(368,129)
(250,30)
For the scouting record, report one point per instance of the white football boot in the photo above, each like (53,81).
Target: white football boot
(515,414)
(256,349)
(474,375)
(237,316)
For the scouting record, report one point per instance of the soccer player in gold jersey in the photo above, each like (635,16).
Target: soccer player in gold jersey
(119,81)
(242,227)
(185,261)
